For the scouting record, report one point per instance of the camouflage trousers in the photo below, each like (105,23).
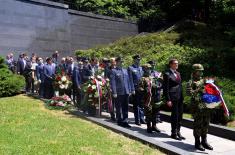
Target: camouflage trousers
(201,122)
(150,113)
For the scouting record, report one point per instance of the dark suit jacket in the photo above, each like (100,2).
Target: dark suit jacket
(172,87)
(21,66)
(76,77)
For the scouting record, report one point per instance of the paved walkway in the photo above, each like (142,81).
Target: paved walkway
(163,140)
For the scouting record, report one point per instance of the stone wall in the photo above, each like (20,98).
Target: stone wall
(43,26)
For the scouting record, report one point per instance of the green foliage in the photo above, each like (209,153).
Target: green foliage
(104,7)
(153,15)
(10,84)
(224,11)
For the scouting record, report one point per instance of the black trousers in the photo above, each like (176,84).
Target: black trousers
(176,116)
(48,90)
(28,82)
(77,96)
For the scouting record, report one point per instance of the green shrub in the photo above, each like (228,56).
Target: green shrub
(10,84)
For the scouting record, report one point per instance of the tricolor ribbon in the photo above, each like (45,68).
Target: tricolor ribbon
(226,112)
(99,90)
(148,100)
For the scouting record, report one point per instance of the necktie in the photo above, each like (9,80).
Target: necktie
(177,76)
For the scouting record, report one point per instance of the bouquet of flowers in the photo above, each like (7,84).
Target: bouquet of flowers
(59,101)
(212,96)
(62,82)
(94,91)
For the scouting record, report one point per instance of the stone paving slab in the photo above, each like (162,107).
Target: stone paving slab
(162,140)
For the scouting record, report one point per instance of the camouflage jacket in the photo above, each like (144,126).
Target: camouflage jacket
(195,89)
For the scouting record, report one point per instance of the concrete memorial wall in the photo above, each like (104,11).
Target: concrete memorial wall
(42,26)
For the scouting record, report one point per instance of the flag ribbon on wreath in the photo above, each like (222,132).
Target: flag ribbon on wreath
(99,90)
(226,112)
(148,100)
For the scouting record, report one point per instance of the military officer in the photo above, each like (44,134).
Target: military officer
(201,114)
(121,89)
(135,72)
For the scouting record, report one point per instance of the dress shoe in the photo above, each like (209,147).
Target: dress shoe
(180,136)
(126,125)
(149,130)
(174,136)
(113,119)
(154,128)
(142,121)
(120,124)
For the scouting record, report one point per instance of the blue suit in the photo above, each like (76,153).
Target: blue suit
(49,74)
(120,85)
(136,73)
(40,76)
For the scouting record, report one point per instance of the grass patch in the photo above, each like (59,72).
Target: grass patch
(27,127)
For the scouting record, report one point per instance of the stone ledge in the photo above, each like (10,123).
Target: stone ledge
(46,2)
(96,16)
(166,148)
(217,130)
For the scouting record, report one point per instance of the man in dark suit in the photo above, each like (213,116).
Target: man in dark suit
(85,71)
(76,80)
(40,76)
(21,64)
(49,74)
(174,97)
(121,89)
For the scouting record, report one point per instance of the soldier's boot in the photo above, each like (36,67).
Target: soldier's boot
(149,128)
(154,127)
(198,144)
(205,143)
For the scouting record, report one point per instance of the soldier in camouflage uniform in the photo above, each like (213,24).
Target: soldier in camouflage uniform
(201,114)
(148,89)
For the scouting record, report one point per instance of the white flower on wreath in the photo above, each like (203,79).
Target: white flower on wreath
(101,83)
(62,86)
(93,87)
(66,86)
(99,77)
(63,78)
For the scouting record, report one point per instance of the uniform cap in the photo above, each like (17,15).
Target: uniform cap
(197,67)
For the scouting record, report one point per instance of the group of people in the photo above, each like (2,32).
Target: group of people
(140,85)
